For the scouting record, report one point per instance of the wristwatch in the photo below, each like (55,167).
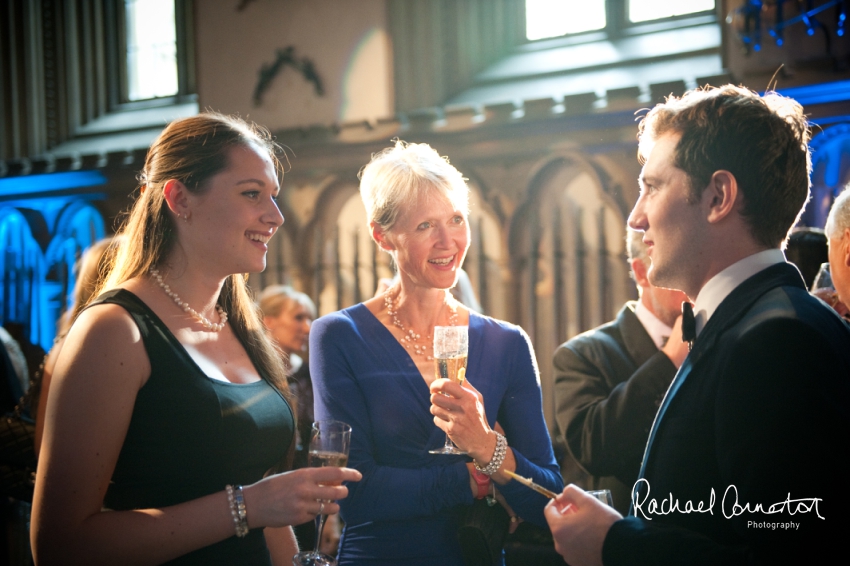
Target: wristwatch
(483,483)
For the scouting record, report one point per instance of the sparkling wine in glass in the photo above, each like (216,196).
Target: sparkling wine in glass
(451,350)
(329,444)
(823,280)
(823,288)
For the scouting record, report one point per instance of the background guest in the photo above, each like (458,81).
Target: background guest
(14,487)
(609,382)
(807,248)
(838,231)
(288,315)
(15,377)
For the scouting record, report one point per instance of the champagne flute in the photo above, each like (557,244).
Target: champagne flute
(824,289)
(329,444)
(451,349)
(823,280)
(603,495)
(822,286)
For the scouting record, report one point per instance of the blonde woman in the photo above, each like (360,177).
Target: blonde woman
(372,367)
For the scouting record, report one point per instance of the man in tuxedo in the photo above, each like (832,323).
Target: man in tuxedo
(609,381)
(744,461)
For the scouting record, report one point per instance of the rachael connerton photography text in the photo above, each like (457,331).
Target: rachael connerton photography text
(730,506)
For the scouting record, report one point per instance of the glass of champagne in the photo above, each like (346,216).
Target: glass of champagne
(329,444)
(823,280)
(451,349)
(823,288)
(603,495)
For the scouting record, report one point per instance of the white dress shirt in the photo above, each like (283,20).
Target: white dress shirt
(719,286)
(657,330)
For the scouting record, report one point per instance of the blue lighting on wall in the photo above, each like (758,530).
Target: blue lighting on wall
(823,93)
(31,184)
(46,222)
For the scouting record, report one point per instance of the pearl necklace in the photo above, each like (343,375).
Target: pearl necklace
(411,338)
(205,322)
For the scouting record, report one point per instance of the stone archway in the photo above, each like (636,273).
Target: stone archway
(567,248)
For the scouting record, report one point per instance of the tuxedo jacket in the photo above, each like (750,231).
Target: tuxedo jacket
(755,427)
(609,383)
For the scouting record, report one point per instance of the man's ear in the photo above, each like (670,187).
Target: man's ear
(639,269)
(177,197)
(721,195)
(380,236)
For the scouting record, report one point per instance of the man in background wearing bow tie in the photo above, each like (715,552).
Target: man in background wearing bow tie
(744,461)
(609,382)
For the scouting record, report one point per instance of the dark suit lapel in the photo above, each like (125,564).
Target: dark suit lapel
(635,338)
(730,311)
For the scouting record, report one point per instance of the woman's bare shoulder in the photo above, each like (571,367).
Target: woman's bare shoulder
(105,318)
(105,339)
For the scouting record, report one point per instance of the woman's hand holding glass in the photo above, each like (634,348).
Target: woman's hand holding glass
(451,350)
(293,497)
(459,411)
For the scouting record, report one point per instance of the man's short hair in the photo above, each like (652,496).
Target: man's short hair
(839,215)
(761,140)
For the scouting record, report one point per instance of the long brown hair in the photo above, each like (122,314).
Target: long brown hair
(193,150)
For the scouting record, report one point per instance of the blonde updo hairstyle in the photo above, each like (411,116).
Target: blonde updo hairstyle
(401,175)
(192,151)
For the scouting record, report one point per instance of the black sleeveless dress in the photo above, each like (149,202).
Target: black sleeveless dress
(191,435)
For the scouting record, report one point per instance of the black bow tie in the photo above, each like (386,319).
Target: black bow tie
(689,324)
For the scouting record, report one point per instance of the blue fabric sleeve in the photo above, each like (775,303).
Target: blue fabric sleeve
(521,416)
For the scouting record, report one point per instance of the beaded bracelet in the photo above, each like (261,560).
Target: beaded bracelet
(238,511)
(498,457)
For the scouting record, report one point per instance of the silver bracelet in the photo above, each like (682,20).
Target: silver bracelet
(238,511)
(498,456)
